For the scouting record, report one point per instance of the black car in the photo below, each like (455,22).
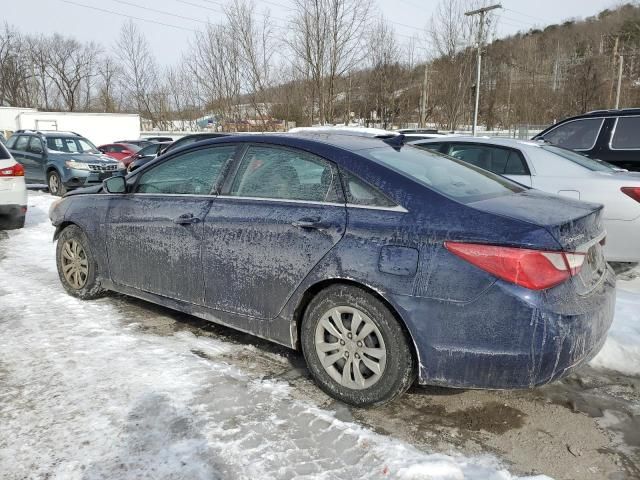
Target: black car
(144,156)
(139,143)
(609,135)
(189,139)
(159,139)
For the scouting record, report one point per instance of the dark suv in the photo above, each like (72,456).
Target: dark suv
(62,160)
(609,135)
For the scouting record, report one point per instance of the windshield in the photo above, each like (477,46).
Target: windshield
(150,149)
(589,163)
(449,176)
(71,145)
(132,147)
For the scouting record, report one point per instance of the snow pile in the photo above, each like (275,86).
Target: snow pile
(87,393)
(621,351)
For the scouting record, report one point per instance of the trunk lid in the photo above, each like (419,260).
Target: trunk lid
(575,225)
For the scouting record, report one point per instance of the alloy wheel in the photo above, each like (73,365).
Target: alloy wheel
(75,266)
(54,184)
(350,347)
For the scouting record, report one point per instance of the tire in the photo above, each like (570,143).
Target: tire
(73,249)
(54,182)
(13,223)
(362,386)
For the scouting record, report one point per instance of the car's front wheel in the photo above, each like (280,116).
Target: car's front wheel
(77,267)
(355,348)
(54,182)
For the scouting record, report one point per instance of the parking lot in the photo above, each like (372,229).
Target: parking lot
(119,388)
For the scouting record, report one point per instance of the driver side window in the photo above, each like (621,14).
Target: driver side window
(35,145)
(192,173)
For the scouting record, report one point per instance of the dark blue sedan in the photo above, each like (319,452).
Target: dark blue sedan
(382,262)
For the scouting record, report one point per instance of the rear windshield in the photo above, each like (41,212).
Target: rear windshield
(449,176)
(589,163)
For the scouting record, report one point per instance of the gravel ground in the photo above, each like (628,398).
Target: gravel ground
(119,388)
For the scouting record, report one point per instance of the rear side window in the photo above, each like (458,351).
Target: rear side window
(627,134)
(359,192)
(192,173)
(453,178)
(4,153)
(272,172)
(21,143)
(577,134)
(503,161)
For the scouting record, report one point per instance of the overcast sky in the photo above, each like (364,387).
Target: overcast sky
(102,21)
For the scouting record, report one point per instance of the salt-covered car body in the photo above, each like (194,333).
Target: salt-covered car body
(416,239)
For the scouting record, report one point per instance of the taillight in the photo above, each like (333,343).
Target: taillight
(633,192)
(533,269)
(16,170)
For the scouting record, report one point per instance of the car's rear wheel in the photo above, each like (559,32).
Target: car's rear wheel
(77,267)
(54,182)
(355,348)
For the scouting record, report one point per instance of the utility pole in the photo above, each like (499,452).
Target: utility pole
(482,12)
(620,65)
(423,96)
(613,69)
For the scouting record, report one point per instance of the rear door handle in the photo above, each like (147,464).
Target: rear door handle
(309,224)
(186,219)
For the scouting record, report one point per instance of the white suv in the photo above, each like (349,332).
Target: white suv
(13,192)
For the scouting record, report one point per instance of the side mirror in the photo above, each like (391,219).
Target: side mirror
(115,185)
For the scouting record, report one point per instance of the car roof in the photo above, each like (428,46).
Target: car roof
(608,113)
(47,133)
(306,140)
(499,141)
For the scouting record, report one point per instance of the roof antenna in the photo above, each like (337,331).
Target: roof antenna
(397,141)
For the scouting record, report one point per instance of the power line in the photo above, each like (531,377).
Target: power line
(133,17)
(163,12)
(546,20)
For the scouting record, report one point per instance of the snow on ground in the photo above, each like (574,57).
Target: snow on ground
(621,352)
(84,393)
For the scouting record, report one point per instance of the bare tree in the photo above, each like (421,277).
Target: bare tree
(450,34)
(256,48)
(139,70)
(326,40)
(15,72)
(385,72)
(71,67)
(109,72)
(214,64)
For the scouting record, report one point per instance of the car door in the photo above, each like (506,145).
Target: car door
(154,234)
(18,150)
(622,148)
(497,159)
(275,219)
(34,159)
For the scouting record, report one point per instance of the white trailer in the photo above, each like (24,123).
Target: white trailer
(100,128)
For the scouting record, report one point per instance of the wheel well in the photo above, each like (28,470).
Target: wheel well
(51,168)
(312,291)
(60,228)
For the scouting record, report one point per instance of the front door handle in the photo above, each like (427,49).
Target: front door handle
(186,219)
(308,224)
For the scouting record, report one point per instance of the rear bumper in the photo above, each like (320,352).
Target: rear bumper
(508,337)
(623,240)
